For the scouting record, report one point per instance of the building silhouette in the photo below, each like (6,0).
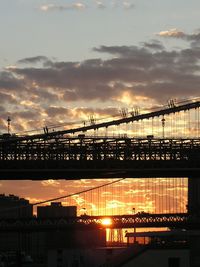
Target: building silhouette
(13,207)
(56,210)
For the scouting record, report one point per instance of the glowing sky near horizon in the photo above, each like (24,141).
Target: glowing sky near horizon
(65,60)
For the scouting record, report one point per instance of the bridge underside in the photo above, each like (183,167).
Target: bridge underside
(96,169)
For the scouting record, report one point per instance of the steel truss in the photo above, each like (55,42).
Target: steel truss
(180,220)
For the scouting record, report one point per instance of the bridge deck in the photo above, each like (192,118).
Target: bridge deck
(91,157)
(180,220)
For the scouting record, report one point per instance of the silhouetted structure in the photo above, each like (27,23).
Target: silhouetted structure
(71,237)
(56,210)
(61,154)
(13,207)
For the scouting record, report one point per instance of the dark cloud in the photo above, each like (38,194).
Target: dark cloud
(57,111)
(33,60)
(148,70)
(154,45)
(8,81)
(193,37)
(2,109)
(44,95)
(122,51)
(97,91)
(135,69)
(26,114)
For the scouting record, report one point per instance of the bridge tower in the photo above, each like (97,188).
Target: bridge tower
(194,196)
(194,211)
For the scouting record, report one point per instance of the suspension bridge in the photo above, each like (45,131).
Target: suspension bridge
(119,204)
(157,203)
(162,143)
(173,220)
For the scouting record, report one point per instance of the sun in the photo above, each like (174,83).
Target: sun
(106,221)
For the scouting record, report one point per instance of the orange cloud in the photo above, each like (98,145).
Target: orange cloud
(172,33)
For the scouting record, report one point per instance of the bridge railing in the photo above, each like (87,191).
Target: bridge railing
(102,149)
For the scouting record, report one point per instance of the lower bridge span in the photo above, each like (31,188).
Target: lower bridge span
(181,220)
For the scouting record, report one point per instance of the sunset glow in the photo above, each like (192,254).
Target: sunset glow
(106,222)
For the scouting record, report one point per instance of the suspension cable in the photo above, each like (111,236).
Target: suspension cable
(65,196)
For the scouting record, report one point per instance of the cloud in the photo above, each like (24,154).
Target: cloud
(61,191)
(33,200)
(54,111)
(7,98)
(153,45)
(106,193)
(172,33)
(194,38)
(96,112)
(80,201)
(136,70)
(8,81)
(50,182)
(128,5)
(59,91)
(115,204)
(105,79)
(100,5)
(33,60)
(53,7)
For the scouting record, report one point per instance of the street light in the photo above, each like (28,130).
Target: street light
(163,126)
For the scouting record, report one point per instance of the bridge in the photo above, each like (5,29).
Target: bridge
(179,220)
(141,145)
(161,143)
(98,157)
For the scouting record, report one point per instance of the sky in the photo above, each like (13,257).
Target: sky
(63,60)
(117,197)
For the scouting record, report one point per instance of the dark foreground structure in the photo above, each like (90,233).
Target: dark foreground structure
(64,155)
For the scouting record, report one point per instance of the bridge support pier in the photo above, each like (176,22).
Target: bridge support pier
(194,196)
(194,212)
